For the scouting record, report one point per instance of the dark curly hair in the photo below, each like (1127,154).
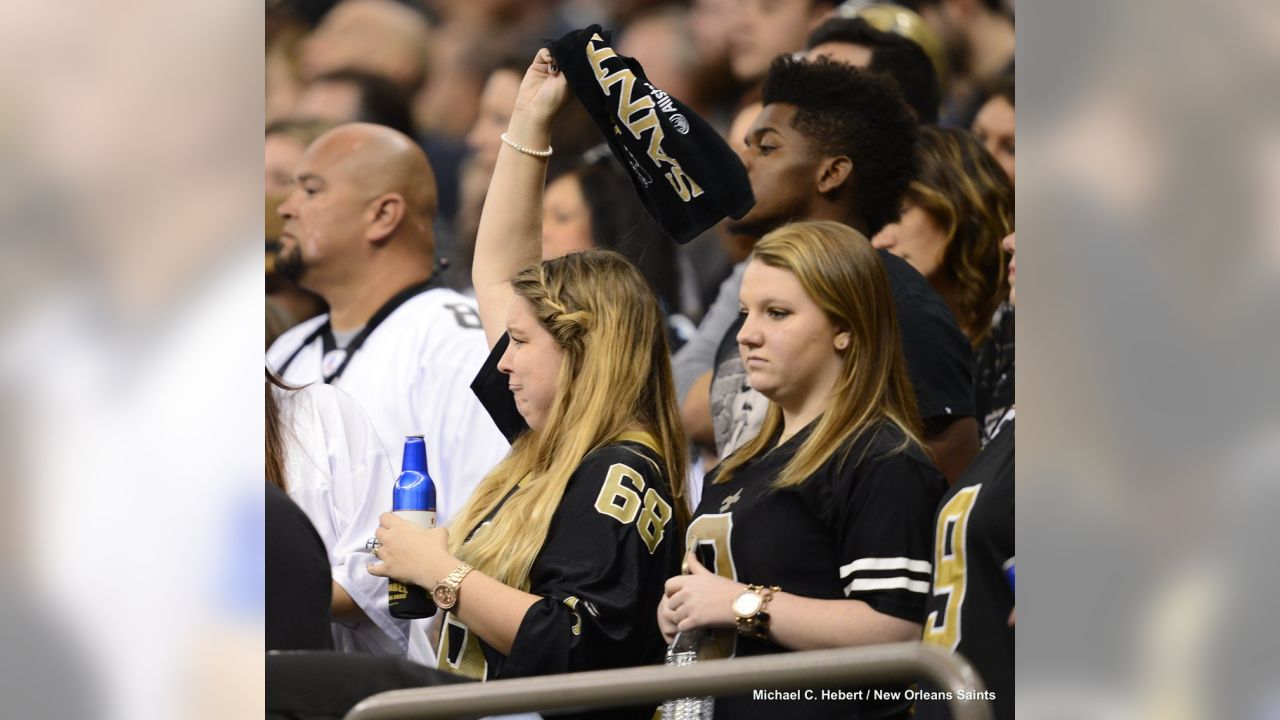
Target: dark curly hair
(970,197)
(894,54)
(842,110)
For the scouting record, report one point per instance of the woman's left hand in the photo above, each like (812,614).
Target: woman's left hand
(412,554)
(544,91)
(701,598)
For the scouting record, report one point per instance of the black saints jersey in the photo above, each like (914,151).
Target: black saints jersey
(972,597)
(859,528)
(612,544)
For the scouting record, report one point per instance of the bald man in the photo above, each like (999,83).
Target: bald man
(357,232)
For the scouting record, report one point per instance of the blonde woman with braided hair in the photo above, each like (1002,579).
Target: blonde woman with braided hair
(572,535)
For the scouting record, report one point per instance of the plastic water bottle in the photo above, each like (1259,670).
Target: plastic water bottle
(684,651)
(413,499)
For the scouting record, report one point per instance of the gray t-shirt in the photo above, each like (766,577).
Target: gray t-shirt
(699,354)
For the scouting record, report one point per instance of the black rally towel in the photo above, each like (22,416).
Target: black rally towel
(685,173)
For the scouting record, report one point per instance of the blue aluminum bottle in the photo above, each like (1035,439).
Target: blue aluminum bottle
(414,498)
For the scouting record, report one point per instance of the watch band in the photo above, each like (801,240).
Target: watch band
(757,625)
(455,577)
(445,593)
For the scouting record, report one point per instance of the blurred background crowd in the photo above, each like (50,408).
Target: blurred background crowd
(933,158)
(131,140)
(446,73)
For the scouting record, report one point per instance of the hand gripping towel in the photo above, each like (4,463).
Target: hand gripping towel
(685,173)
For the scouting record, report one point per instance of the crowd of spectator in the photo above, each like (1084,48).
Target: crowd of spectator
(820,418)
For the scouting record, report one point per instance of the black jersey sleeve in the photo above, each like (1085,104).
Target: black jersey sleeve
(490,386)
(611,547)
(939,357)
(885,530)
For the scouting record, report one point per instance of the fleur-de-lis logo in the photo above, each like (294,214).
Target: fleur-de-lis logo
(729,501)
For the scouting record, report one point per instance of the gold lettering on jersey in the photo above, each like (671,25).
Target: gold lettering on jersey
(460,652)
(717,532)
(653,520)
(572,603)
(628,107)
(949,568)
(613,490)
(730,500)
(623,504)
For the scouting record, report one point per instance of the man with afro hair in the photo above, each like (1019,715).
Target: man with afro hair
(833,142)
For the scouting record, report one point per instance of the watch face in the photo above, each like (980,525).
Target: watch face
(747,604)
(444,596)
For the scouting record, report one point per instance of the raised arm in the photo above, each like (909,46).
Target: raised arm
(509,238)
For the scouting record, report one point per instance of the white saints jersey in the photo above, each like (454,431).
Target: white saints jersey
(412,375)
(338,472)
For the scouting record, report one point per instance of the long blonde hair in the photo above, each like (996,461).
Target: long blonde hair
(616,376)
(842,274)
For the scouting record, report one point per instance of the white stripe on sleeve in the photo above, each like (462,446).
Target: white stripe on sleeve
(894,563)
(891,583)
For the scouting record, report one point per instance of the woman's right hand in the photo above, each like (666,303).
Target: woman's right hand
(700,599)
(543,92)
(666,619)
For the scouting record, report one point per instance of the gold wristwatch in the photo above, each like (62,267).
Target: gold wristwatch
(445,593)
(749,608)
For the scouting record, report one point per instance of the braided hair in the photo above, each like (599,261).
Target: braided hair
(616,376)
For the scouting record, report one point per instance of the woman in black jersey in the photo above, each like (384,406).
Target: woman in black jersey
(816,533)
(572,535)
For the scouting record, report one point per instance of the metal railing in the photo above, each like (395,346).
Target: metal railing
(844,667)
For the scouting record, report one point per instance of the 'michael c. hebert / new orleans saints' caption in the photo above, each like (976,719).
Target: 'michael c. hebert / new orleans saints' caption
(872,694)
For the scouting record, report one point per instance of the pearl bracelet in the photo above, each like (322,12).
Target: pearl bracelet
(527,151)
